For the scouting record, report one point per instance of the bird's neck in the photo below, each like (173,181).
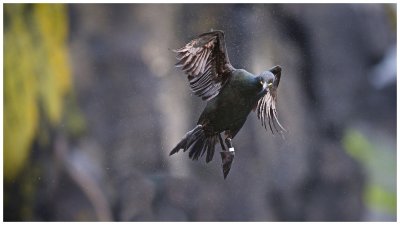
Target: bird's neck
(247,85)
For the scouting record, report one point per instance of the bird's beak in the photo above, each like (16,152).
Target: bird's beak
(265,85)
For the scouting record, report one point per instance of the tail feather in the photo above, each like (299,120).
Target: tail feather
(205,148)
(211,148)
(197,143)
(181,145)
(192,138)
(187,140)
(196,148)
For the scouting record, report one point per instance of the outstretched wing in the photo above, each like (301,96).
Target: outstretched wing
(266,106)
(205,61)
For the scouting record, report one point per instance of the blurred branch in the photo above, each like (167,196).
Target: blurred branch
(83,180)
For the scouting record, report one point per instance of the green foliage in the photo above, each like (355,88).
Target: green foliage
(380,165)
(37,76)
(379,198)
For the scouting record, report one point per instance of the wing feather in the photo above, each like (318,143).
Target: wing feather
(206,63)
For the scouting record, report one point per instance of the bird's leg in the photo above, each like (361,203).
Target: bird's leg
(228,142)
(222,143)
(227,156)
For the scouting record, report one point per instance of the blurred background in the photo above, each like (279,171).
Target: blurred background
(93,105)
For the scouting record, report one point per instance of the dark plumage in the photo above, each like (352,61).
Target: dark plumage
(230,93)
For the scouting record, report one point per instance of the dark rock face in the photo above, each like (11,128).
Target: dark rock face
(138,106)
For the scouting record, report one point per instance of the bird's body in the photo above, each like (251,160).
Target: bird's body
(230,93)
(228,111)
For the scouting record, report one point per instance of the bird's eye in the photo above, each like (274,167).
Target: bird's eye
(262,82)
(270,84)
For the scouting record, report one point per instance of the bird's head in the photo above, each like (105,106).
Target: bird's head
(266,81)
(269,80)
(266,105)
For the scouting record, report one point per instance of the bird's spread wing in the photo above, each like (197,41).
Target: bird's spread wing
(266,106)
(205,61)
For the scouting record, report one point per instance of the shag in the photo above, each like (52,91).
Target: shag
(231,95)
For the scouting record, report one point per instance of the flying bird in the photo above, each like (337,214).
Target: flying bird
(231,95)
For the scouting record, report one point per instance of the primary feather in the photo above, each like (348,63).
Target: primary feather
(205,61)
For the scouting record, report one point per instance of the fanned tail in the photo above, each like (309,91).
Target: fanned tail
(197,143)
